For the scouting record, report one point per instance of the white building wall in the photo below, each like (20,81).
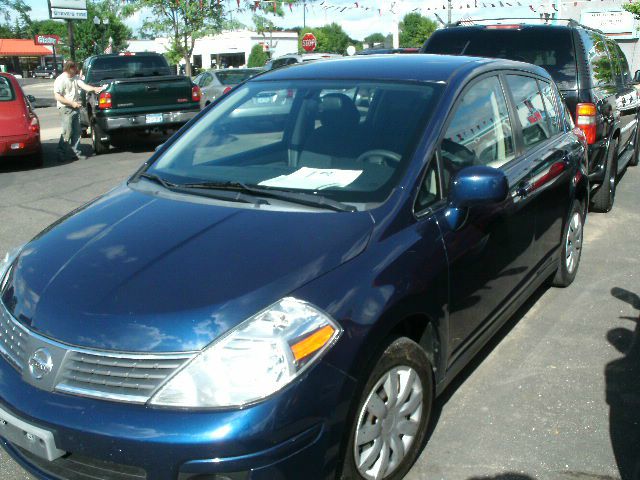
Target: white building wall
(229,42)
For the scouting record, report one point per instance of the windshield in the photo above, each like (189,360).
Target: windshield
(235,77)
(127,66)
(346,140)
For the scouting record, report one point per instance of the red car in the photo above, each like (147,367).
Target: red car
(19,125)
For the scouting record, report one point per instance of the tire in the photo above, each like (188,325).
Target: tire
(635,158)
(99,147)
(37,159)
(604,196)
(380,424)
(572,241)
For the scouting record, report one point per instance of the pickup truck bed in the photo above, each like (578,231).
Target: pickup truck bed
(140,96)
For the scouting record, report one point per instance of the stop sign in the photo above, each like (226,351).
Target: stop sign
(309,42)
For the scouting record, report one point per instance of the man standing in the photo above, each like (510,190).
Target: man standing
(66,89)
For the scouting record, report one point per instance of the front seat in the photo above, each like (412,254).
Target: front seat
(334,144)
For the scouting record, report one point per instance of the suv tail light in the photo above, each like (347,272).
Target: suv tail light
(34,126)
(195,93)
(586,121)
(104,100)
(226,90)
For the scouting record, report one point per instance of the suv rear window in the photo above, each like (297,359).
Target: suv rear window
(550,48)
(128,66)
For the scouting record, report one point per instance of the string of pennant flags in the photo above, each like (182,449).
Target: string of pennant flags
(328,6)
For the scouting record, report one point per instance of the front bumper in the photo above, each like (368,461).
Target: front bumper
(128,122)
(293,434)
(31,145)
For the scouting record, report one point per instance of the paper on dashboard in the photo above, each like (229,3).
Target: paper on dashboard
(308,178)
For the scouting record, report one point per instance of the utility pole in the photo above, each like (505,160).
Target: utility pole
(72,46)
(304,14)
(449,12)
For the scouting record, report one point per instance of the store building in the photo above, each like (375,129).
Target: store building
(227,49)
(22,56)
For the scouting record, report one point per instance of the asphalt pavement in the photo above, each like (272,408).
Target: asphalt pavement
(556,395)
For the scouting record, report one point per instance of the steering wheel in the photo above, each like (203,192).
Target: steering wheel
(380,156)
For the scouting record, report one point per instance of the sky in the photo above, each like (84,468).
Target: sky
(359,22)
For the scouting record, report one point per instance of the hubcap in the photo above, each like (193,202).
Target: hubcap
(388,423)
(574,242)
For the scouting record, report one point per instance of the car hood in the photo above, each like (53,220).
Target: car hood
(139,272)
(12,119)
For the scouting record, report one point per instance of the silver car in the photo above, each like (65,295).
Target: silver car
(214,83)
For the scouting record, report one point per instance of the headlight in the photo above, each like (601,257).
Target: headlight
(6,262)
(254,360)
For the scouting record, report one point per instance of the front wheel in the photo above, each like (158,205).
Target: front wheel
(571,247)
(390,422)
(635,158)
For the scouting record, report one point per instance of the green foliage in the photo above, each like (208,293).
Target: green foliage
(182,21)
(415,29)
(91,39)
(257,57)
(633,7)
(330,39)
(375,38)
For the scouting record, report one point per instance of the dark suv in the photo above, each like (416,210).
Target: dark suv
(592,74)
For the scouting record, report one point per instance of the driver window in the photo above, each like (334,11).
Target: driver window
(430,188)
(480,131)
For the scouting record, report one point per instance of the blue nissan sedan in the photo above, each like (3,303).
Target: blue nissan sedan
(284,288)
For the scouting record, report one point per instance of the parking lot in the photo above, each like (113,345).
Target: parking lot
(556,395)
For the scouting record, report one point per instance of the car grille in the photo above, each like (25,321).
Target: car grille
(12,343)
(126,377)
(78,467)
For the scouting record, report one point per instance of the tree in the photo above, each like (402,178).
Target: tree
(183,21)
(415,29)
(633,7)
(374,38)
(258,57)
(91,39)
(329,38)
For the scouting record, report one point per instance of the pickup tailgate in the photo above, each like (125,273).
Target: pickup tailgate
(151,94)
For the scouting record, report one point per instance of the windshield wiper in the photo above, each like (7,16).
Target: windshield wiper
(301,198)
(181,188)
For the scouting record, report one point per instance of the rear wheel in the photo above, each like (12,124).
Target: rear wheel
(37,159)
(99,147)
(390,422)
(571,247)
(604,195)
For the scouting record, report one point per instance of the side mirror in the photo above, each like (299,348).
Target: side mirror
(473,186)
(31,98)
(636,76)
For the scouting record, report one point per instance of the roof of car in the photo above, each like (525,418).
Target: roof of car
(417,67)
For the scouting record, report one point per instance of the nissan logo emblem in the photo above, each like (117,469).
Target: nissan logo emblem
(40,363)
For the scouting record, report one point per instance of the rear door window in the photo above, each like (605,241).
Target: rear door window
(480,130)
(530,110)
(6,91)
(550,97)
(548,47)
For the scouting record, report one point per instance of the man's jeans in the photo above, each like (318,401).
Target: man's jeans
(69,143)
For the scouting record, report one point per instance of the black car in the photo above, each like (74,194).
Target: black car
(43,72)
(592,74)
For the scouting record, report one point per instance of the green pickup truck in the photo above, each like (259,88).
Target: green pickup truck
(141,95)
